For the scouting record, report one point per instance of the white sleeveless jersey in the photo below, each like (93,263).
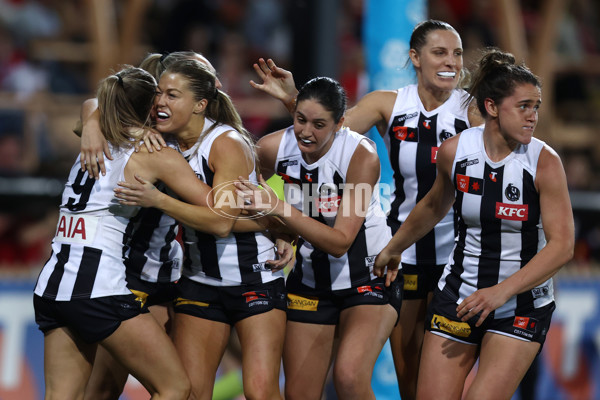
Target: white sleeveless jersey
(152,252)
(316,190)
(237,259)
(499,222)
(412,139)
(87,259)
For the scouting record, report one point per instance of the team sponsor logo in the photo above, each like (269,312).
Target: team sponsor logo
(256,298)
(180,301)
(329,204)
(411,282)
(512,212)
(540,292)
(288,179)
(288,163)
(444,135)
(526,323)
(493,176)
(523,333)
(468,184)
(308,176)
(404,133)
(460,329)
(140,297)
(405,117)
(296,302)
(469,162)
(370,261)
(367,290)
(329,200)
(512,192)
(75,228)
(426,124)
(260,267)
(434,152)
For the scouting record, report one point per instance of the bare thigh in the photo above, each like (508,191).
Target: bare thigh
(363,330)
(163,314)
(444,367)
(200,344)
(261,338)
(67,364)
(307,355)
(109,376)
(144,349)
(503,363)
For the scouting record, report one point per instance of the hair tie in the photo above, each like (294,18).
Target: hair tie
(120,80)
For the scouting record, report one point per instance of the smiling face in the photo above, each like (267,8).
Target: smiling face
(439,62)
(315,129)
(175,104)
(517,114)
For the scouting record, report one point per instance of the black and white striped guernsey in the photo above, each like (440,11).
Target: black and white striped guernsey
(88,247)
(152,252)
(316,189)
(413,137)
(239,258)
(499,222)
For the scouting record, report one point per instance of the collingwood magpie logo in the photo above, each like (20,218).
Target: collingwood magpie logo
(444,134)
(512,192)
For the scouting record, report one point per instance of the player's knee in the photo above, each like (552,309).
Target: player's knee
(261,387)
(349,380)
(177,390)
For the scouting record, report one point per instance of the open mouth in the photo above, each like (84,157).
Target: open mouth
(162,116)
(447,74)
(305,141)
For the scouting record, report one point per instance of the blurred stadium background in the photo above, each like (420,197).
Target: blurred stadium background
(53,52)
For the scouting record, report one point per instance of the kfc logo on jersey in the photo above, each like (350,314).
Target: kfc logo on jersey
(74,228)
(512,212)
(512,192)
(329,203)
(434,151)
(468,184)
